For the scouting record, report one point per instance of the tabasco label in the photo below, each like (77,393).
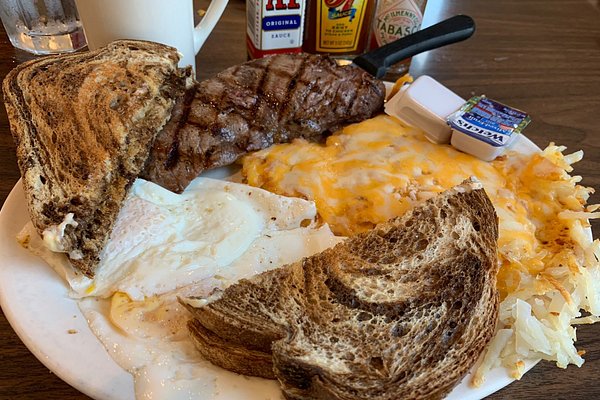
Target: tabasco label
(395,19)
(274,26)
(339,24)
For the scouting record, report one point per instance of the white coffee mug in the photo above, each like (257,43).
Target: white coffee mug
(169,22)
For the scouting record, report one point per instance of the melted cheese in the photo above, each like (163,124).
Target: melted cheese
(364,175)
(378,169)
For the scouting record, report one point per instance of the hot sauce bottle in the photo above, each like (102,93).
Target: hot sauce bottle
(274,26)
(338,27)
(393,20)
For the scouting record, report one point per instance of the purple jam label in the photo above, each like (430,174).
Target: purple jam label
(489,121)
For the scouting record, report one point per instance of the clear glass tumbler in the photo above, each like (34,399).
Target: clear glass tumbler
(43,26)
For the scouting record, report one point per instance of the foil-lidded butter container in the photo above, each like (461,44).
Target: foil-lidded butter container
(485,128)
(425,104)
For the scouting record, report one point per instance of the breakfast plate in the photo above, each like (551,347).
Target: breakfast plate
(36,303)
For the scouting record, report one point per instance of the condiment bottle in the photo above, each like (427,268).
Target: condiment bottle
(338,27)
(274,26)
(393,20)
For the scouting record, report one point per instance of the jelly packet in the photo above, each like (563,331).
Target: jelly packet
(485,128)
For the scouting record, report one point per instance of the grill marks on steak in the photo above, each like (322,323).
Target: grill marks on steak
(255,105)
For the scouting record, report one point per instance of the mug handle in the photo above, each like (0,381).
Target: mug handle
(209,20)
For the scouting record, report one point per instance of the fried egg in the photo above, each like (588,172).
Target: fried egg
(150,340)
(213,230)
(167,245)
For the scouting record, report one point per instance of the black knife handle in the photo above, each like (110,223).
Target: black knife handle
(451,30)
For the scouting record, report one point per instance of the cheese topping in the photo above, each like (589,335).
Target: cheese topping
(378,169)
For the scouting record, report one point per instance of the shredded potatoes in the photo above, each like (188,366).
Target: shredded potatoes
(545,289)
(550,267)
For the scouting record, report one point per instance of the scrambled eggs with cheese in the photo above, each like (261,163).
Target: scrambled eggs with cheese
(378,169)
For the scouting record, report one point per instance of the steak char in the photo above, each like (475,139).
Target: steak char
(257,104)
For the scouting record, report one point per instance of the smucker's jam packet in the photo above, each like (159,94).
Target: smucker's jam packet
(485,128)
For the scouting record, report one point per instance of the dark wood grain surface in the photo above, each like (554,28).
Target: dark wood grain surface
(540,56)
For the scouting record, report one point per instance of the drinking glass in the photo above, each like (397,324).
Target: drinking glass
(42,26)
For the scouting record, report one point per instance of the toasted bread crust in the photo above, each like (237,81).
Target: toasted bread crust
(402,311)
(251,332)
(236,358)
(83,125)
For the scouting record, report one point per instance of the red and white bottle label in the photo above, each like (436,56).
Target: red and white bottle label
(274,25)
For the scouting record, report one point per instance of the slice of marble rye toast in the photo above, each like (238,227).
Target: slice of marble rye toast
(83,125)
(401,311)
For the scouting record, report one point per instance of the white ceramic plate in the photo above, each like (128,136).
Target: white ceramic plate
(35,302)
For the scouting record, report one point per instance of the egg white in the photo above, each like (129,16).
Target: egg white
(167,245)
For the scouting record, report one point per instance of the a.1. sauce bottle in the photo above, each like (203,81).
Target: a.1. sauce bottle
(338,27)
(274,26)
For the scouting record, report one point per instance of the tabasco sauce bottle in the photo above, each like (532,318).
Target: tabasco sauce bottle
(393,20)
(274,26)
(338,27)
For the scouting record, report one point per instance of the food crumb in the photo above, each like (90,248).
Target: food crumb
(24,241)
(72,331)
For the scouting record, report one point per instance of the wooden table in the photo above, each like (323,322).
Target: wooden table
(542,56)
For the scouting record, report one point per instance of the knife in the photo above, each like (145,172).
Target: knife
(451,30)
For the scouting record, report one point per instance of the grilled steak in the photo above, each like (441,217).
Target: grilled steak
(254,105)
